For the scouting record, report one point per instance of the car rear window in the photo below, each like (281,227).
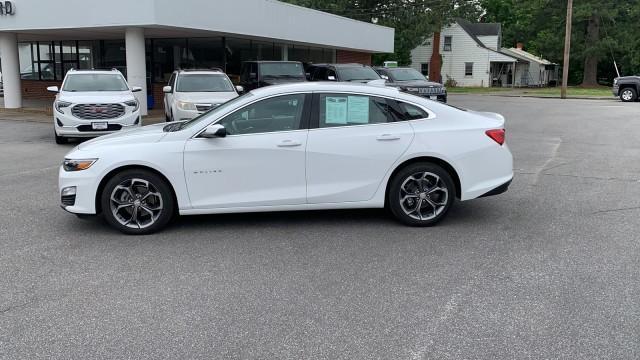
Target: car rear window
(358,73)
(95,82)
(285,70)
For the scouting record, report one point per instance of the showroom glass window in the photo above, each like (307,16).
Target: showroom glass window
(50,60)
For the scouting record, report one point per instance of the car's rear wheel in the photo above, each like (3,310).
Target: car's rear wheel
(59,139)
(421,194)
(137,202)
(628,94)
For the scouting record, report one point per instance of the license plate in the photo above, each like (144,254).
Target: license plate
(99,126)
(433,97)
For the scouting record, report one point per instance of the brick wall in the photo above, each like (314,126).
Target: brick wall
(343,57)
(34,89)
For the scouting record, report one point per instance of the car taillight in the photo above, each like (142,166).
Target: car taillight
(497,135)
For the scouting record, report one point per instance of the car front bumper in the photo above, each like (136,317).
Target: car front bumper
(67,125)
(84,199)
(616,90)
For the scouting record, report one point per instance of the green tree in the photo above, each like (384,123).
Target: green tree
(413,20)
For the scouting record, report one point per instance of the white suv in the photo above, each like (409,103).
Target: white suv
(194,92)
(93,103)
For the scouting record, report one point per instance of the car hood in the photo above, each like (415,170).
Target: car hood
(415,83)
(206,97)
(142,135)
(96,97)
(276,81)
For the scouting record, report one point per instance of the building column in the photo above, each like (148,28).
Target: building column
(10,62)
(136,64)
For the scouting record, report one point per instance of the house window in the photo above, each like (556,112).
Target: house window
(424,69)
(468,69)
(447,43)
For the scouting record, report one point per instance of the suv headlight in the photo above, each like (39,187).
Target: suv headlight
(135,104)
(183,105)
(59,105)
(77,165)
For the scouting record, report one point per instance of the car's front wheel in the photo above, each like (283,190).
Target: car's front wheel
(137,202)
(628,95)
(421,194)
(59,139)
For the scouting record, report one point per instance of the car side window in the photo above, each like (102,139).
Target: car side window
(172,80)
(281,113)
(352,109)
(405,111)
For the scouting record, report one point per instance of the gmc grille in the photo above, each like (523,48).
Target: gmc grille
(97,111)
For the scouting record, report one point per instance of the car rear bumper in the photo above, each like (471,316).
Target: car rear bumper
(499,190)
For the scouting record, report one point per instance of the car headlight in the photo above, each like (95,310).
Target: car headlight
(59,105)
(135,104)
(77,165)
(183,105)
(615,81)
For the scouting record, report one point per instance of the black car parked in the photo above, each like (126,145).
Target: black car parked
(256,74)
(627,88)
(411,81)
(342,72)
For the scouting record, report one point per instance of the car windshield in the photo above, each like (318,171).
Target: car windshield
(95,82)
(357,73)
(222,108)
(405,74)
(203,83)
(290,70)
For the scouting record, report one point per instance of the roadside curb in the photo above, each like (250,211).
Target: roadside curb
(541,96)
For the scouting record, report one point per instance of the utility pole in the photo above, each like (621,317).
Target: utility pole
(567,49)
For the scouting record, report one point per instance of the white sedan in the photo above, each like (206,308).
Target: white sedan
(291,147)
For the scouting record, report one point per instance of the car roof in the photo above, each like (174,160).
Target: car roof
(200,71)
(326,86)
(340,65)
(94,71)
(270,62)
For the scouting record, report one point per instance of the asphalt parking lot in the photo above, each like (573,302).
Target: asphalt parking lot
(549,270)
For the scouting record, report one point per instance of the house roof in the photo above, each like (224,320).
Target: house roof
(521,54)
(480,29)
(485,29)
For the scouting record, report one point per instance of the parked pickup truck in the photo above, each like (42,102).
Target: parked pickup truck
(627,88)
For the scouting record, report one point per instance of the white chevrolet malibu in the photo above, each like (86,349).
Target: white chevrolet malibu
(291,147)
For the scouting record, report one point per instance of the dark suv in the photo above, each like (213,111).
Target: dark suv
(626,88)
(342,72)
(411,81)
(256,74)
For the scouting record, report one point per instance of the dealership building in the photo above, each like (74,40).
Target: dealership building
(148,39)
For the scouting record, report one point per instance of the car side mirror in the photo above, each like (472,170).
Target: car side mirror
(214,131)
(136,89)
(239,89)
(167,89)
(331,78)
(384,77)
(53,89)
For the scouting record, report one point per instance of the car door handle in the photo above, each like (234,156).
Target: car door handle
(289,143)
(388,137)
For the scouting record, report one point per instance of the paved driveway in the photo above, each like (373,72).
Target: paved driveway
(548,270)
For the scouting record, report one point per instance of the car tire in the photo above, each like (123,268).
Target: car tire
(166,117)
(60,140)
(137,202)
(628,94)
(421,194)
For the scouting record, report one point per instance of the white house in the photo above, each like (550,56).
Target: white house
(532,70)
(470,55)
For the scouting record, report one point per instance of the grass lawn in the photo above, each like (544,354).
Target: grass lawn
(602,91)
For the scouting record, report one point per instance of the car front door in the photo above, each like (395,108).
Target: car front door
(353,142)
(261,162)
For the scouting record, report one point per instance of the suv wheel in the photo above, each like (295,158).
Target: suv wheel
(628,94)
(137,202)
(421,194)
(59,139)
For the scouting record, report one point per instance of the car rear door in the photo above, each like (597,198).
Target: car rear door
(352,144)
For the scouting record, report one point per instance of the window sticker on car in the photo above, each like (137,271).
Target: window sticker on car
(358,109)
(336,110)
